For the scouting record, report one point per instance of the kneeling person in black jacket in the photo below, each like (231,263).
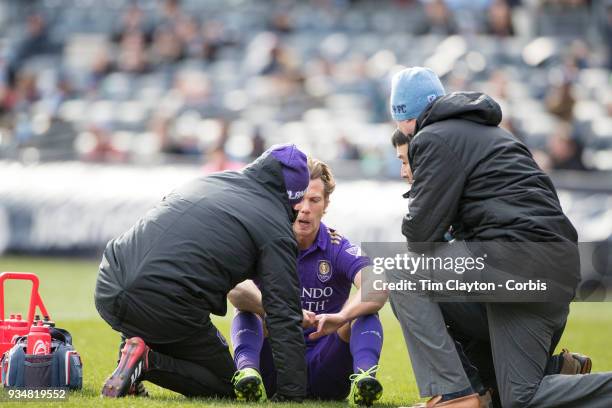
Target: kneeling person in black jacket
(160,281)
(472,177)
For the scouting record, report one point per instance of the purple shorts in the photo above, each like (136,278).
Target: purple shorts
(329,363)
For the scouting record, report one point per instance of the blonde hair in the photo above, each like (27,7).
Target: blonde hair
(318,169)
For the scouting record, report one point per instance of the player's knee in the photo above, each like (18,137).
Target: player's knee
(234,296)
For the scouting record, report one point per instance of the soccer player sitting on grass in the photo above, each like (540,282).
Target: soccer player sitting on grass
(343,335)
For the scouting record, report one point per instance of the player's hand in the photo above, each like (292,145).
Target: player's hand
(327,324)
(309,319)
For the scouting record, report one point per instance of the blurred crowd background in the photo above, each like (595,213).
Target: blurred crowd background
(213,83)
(105,106)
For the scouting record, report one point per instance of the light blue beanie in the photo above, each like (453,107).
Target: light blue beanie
(412,89)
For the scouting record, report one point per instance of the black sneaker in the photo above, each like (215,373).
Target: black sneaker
(138,390)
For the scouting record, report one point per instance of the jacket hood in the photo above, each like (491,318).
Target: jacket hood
(267,171)
(473,106)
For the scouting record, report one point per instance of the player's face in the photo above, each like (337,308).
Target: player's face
(402,154)
(310,210)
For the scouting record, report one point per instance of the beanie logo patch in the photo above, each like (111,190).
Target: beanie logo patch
(399,108)
(295,195)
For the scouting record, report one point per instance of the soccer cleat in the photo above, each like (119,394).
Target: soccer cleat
(133,362)
(365,388)
(138,390)
(248,385)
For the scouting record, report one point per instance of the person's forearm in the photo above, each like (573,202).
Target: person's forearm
(355,307)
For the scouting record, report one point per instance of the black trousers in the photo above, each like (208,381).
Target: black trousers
(195,362)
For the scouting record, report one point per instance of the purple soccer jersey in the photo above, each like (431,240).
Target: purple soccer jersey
(327,269)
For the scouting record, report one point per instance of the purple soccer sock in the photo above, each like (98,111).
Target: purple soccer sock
(366,342)
(247,339)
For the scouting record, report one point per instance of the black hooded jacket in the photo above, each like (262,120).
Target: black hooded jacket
(481,180)
(478,178)
(199,242)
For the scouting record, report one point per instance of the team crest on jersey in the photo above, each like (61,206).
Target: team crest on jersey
(325,271)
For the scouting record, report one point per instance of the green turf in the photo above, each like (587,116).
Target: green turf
(67,290)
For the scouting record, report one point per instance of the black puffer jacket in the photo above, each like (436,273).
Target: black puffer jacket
(205,237)
(481,180)
(477,177)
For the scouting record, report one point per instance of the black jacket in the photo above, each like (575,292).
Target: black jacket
(478,178)
(204,238)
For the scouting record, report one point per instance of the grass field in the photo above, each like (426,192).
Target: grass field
(67,290)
